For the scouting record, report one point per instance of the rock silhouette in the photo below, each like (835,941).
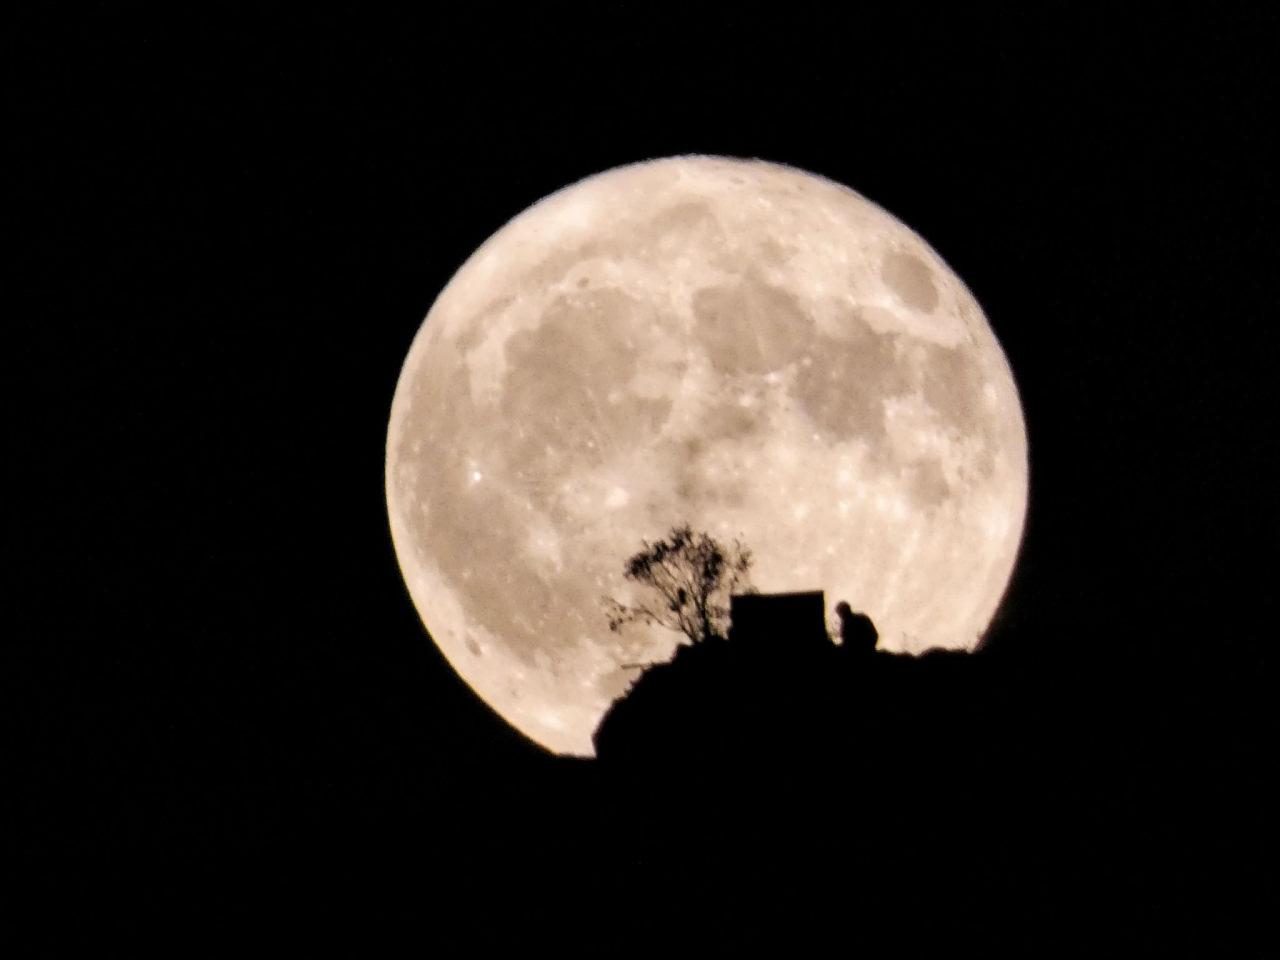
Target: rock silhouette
(909,802)
(797,749)
(777,683)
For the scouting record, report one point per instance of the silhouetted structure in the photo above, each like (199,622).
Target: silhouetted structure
(857,633)
(758,620)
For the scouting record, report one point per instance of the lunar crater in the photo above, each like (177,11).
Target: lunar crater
(910,280)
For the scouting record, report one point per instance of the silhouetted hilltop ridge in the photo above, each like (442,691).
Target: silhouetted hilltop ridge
(721,701)
(810,780)
(918,797)
(780,686)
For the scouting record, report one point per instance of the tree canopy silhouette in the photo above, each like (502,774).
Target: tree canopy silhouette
(692,575)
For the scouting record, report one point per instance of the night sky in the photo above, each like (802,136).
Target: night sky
(230,229)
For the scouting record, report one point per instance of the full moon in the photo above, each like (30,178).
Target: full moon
(749,348)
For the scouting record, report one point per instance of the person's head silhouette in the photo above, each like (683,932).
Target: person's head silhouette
(857,633)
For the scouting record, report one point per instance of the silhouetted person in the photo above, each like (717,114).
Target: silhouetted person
(858,634)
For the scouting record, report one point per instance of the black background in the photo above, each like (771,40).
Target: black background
(228,716)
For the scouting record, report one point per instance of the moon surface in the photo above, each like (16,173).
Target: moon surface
(747,347)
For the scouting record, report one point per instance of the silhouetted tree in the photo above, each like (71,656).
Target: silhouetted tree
(693,575)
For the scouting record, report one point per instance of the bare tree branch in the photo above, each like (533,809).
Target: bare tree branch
(693,576)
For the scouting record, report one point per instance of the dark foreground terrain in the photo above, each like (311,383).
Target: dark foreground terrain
(740,800)
(942,800)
